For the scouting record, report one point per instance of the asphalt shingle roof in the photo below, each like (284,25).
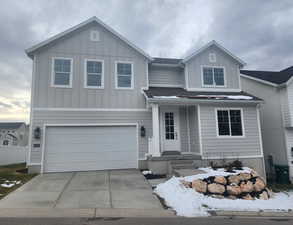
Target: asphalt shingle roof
(166,60)
(10,125)
(276,77)
(161,92)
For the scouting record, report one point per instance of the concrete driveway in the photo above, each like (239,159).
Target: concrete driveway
(85,190)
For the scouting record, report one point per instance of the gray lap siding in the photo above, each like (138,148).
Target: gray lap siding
(213,146)
(142,118)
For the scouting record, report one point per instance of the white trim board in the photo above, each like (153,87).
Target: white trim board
(86,125)
(30,51)
(94,109)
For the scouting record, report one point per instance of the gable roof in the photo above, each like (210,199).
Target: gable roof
(15,125)
(32,49)
(275,77)
(212,43)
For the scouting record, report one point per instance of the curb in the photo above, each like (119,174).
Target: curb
(84,213)
(252,213)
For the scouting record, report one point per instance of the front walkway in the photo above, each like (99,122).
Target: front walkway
(116,189)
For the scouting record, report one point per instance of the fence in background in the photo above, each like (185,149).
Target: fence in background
(13,154)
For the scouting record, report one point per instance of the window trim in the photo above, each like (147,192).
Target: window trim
(116,76)
(53,73)
(85,74)
(214,83)
(230,135)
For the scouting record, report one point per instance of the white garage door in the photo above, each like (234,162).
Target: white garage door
(90,148)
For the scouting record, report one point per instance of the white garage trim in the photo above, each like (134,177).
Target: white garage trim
(87,125)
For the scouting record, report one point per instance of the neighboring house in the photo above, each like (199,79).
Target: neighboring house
(276,88)
(13,134)
(100,102)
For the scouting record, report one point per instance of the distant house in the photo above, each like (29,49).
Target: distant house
(276,88)
(13,134)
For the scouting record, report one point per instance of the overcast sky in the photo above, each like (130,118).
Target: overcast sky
(260,32)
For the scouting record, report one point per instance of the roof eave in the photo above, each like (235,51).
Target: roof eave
(185,100)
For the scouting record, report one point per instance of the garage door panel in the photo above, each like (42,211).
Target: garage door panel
(90,148)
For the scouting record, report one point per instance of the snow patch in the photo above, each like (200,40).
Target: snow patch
(164,97)
(188,202)
(236,97)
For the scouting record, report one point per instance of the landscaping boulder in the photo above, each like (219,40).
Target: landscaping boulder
(232,197)
(216,188)
(264,196)
(246,187)
(220,180)
(186,183)
(234,179)
(247,197)
(254,174)
(233,190)
(244,176)
(199,185)
(259,185)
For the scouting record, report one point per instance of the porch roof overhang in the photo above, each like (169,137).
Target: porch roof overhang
(180,95)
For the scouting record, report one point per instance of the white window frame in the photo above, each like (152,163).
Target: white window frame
(53,73)
(230,135)
(116,75)
(85,74)
(214,83)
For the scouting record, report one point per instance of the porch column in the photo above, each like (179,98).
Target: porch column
(155,149)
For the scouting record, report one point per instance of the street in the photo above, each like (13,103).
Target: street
(146,221)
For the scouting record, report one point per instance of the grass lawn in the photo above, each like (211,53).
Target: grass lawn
(13,176)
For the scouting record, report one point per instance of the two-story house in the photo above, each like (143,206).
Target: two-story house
(13,134)
(276,88)
(99,102)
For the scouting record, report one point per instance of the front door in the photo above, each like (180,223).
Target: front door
(170,130)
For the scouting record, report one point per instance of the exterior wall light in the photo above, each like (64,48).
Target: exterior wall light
(37,133)
(142,131)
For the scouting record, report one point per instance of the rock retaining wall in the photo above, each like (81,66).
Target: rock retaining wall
(248,186)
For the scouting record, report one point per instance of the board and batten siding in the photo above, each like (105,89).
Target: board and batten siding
(166,76)
(272,112)
(213,146)
(79,47)
(183,129)
(193,127)
(288,105)
(231,68)
(93,117)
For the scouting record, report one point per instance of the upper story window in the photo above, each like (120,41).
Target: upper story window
(213,76)
(229,122)
(94,73)
(124,75)
(62,72)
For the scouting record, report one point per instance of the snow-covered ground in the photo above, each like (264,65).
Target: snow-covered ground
(10,184)
(188,202)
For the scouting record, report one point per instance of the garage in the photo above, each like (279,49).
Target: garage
(83,148)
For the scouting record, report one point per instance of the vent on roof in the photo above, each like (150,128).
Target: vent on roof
(94,35)
(212,57)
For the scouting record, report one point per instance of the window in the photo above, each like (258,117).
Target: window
(94,35)
(5,142)
(229,122)
(94,74)
(213,76)
(169,126)
(62,72)
(124,76)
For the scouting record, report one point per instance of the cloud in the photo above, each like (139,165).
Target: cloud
(259,32)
